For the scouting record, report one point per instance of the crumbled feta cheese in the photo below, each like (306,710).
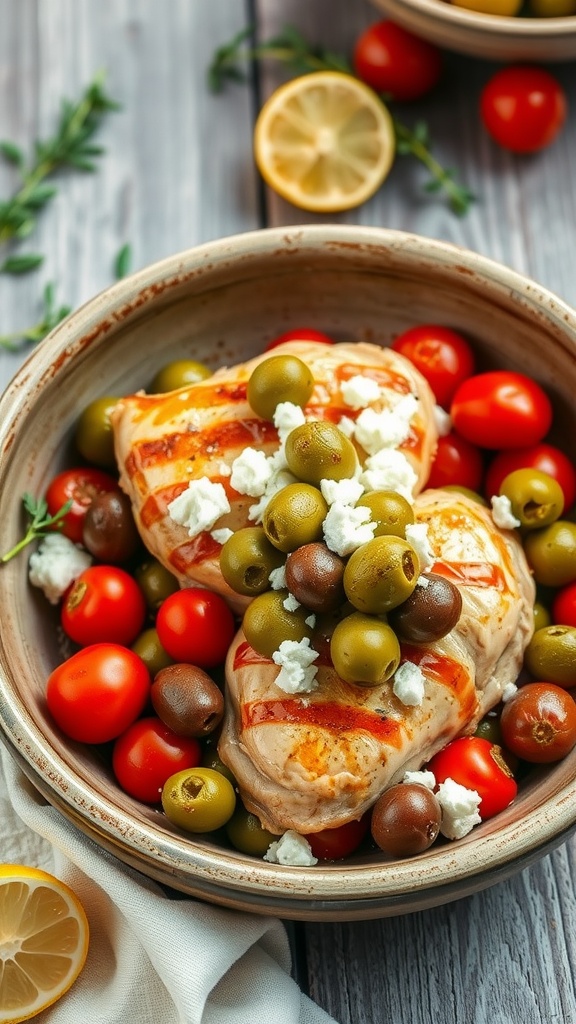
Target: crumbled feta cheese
(423,778)
(278,480)
(251,472)
(221,536)
(423,581)
(287,417)
(417,535)
(347,527)
(345,491)
(200,506)
(310,621)
(509,691)
(389,470)
(442,421)
(297,671)
(278,578)
(292,850)
(459,809)
(224,469)
(409,682)
(347,426)
(359,391)
(502,512)
(56,564)
(386,429)
(290,603)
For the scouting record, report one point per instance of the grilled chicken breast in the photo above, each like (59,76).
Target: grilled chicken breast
(163,442)
(316,760)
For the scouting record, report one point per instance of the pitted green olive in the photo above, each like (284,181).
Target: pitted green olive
(94,437)
(294,516)
(279,379)
(247,559)
(267,622)
(364,650)
(551,655)
(551,553)
(389,510)
(319,450)
(536,499)
(179,374)
(246,833)
(381,574)
(198,799)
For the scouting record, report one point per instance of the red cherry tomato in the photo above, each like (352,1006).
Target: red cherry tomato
(501,409)
(79,486)
(523,108)
(336,843)
(441,355)
(147,754)
(300,334)
(104,605)
(195,626)
(98,692)
(477,764)
(539,723)
(564,606)
(456,463)
(544,457)
(394,61)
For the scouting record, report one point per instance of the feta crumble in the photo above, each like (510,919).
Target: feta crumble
(347,527)
(409,683)
(297,671)
(278,578)
(290,603)
(311,621)
(359,391)
(386,429)
(423,581)
(56,564)
(417,535)
(279,479)
(347,426)
(422,778)
(251,473)
(509,691)
(221,536)
(200,506)
(389,470)
(459,809)
(502,512)
(292,850)
(345,491)
(287,416)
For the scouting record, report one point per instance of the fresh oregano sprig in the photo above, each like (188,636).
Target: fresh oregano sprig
(293,50)
(51,315)
(71,146)
(40,522)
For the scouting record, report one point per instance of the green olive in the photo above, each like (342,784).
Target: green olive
(246,833)
(279,379)
(364,650)
(94,437)
(267,622)
(551,655)
(198,799)
(155,582)
(389,510)
(467,492)
(179,374)
(381,574)
(294,516)
(320,451)
(211,759)
(149,648)
(247,559)
(536,499)
(488,728)
(431,611)
(541,616)
(551,553)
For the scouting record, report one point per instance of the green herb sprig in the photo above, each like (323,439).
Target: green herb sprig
(40,522)
(51,316)
(292,49)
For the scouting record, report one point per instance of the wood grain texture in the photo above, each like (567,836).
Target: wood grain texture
(178,170)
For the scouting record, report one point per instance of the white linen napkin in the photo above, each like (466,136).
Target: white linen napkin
(152,959)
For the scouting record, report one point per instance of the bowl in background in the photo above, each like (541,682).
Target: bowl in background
(220,303)
(488,36)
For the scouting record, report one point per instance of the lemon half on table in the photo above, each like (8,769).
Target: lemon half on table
(324,141)
(43,941)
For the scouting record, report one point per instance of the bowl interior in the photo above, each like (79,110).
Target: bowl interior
(220,304)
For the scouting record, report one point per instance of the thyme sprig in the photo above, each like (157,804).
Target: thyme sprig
(51,316)
(40,522)
(292,49)
(71,146)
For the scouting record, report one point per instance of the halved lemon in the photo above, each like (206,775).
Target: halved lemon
(324,141)
(43,941)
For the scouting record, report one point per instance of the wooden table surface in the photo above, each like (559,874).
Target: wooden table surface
(178,170)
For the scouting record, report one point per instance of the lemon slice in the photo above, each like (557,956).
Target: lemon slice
(43,941)
(324,142)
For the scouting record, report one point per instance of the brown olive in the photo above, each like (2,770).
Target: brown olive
(431,611)
(187,700)
(109,532)
(315,575)
(406,820)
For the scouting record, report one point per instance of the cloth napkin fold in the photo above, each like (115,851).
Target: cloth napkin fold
(152,960)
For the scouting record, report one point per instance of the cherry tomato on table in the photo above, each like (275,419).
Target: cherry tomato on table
(196,626)
(539,723)
(300,334)
(336,843)
(501,409)
(98,692)
(104,605)
(544,457)
(80,486)
(441,355)
(456,463)
(147,754)
(477,764)
(392,60)
(523,108)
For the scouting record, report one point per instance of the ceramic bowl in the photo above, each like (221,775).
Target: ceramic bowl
(489,36)
(221,303)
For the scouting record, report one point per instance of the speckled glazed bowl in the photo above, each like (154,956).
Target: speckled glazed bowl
(489,36)
(221,303)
